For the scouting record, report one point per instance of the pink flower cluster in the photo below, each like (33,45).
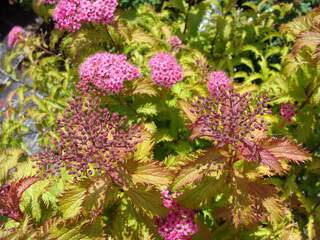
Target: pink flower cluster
(287,111)
(179,223)
(175,42)
(165,70)
(218,80)
(71,14)
(106,72)
(14,36)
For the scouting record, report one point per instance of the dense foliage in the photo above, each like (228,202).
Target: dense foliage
(184,120)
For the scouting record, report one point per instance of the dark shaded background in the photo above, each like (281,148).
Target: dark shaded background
(11,15)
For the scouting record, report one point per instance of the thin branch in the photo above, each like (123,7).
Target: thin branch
(111,39)
(187,17)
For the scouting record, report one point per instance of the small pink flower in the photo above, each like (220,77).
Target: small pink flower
(175,42)
(165,70)
(287,111)
(179,223)
(106,72)
(218,81)
(14,36)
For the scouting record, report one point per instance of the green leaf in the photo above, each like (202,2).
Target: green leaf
(8,159)
(69,233)
(71,201)
(147,199)
(148,109)
(178,4)
(195,17)
(144,150)
(30,200)
(202,193)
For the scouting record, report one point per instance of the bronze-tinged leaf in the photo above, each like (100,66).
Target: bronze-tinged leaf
(307,39)
(247,201)
(284,149)
(257,189)
(291,232)
(269,160)
(203,193)
(209,161)
(300,24)
(96,195)
(144,86)
(275,209)
(189,175)
(245,211)
(152,173)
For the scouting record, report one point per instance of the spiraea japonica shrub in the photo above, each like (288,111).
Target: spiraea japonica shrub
(145,130)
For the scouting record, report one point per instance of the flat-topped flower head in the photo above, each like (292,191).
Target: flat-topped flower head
(230,120)
(175,42)
(91,138)
(179,224)
(71,14)
(106,72)
(287,111)
(217,81)
(165,70)
(14,36)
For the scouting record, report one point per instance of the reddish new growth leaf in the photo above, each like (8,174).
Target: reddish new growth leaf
(92,138)
(10,195)
(273,150)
